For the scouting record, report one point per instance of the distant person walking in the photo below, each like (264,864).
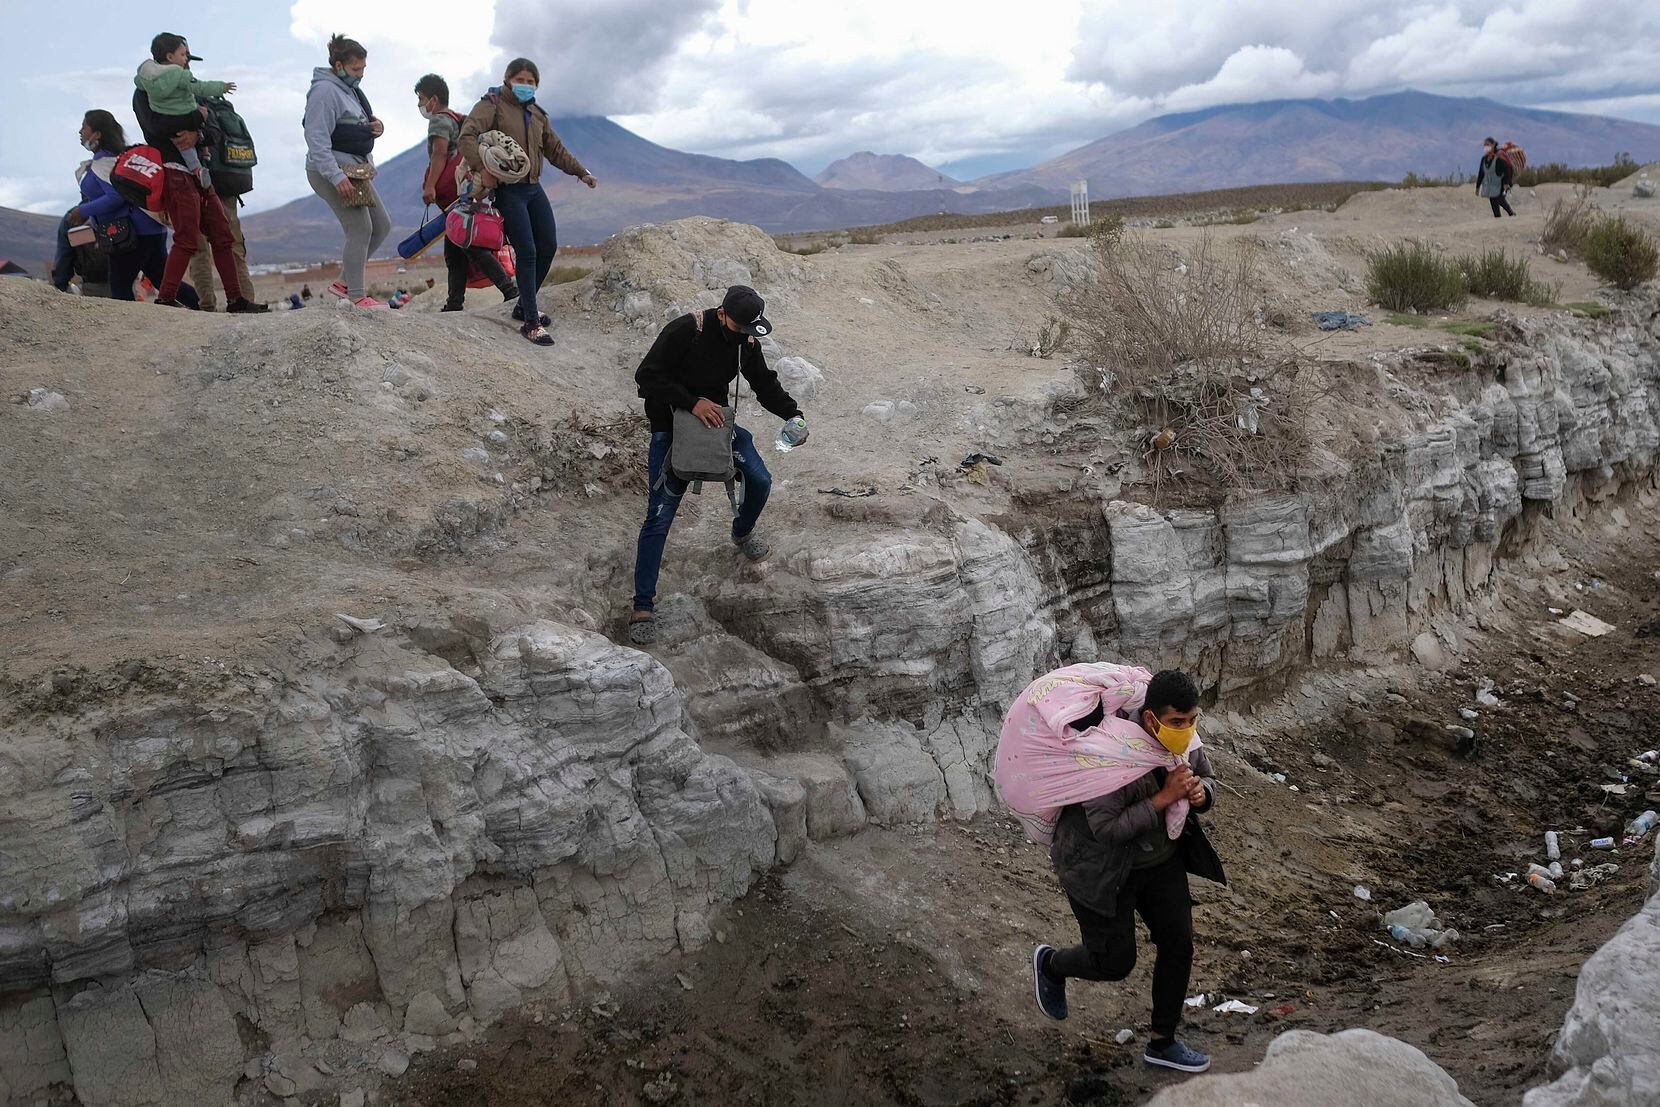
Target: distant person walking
(340,133)
(526,213)
(174,128)
(432,100)
(1494,176)
(144,249)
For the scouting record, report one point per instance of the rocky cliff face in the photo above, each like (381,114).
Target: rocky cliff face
(316,874)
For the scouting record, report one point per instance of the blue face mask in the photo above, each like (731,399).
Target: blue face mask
(525,93)
(351,82)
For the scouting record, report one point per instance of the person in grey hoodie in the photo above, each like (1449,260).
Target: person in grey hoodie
(340,130)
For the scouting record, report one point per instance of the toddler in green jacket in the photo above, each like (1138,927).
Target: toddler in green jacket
(172,91)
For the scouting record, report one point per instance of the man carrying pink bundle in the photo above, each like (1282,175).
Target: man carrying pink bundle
(1102,764)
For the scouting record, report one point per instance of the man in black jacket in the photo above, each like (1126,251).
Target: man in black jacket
(1115,859)
(689,368)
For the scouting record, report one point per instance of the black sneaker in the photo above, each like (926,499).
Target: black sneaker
(449,307)
(1176,1056)
(167,303)
(519,315)
(511,292)
(1051,993)
(246,306)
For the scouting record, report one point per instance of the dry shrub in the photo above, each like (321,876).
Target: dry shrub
(1178,347)
(1151,310)
(1569,223)
(1621,253)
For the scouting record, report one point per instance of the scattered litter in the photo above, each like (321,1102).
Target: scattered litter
(1124,1036)
(1542,882)
(1484,694)
(1339,320)
(1505,878)
(1616,789)
(1596,874)
(1650,756)
(1284,1009)
(685,981)
(44,399)
(1553,848)
(1362,893)
(1398,949)
(1234,1007)
(1639,827)
(974,390)
(1195,1001)
(362,626)
(974,459)
(1277,778)
(1602,843)
(1443,958)
(1468,715)
(1586,623)
(856,494)
(1416,926)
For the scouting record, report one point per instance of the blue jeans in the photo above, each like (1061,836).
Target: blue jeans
(527,217)
(664,501)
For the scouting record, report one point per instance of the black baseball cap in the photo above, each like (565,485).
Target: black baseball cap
(743,305)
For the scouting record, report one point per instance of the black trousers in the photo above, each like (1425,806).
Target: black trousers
(149,259)
(1159,895)
(1499,202)
(457,262)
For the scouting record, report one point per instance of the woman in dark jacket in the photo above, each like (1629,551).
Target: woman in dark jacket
(102,205)
(526,214)
(1494,177)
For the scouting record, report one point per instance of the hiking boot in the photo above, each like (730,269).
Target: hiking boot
(1176,1056)
(537,334)
(450,307)
(751,546)
(245,306)
(519,315)
(1051,991)
(643,632)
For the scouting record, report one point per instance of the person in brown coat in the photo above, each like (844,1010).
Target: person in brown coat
(526,214)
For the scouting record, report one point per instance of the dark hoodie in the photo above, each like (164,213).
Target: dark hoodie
(684,366)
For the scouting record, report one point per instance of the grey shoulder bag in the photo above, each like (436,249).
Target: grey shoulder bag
(699,453)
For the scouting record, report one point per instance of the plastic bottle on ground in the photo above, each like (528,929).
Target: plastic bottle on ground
(1602,843)
(1553,848)
(1544,883)
(1642,824)
(1556,871)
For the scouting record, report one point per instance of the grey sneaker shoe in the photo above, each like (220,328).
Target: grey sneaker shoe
(751,546)
(1051,993)
(1177,1056)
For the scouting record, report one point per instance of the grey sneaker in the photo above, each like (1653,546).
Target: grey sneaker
(1051,993)
(751,546)
(1177,1056)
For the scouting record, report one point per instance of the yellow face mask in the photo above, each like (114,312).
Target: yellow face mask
(1174,740)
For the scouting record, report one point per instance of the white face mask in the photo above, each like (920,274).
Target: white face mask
(89,145)
(424,113)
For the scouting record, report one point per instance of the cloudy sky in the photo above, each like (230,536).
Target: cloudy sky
(969,86)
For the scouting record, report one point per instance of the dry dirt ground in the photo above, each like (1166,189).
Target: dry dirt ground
(211,498)
(894,967)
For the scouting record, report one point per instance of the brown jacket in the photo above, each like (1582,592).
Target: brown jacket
(1092,850)
(526,124)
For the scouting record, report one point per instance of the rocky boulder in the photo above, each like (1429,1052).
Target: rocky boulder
(1305,1069)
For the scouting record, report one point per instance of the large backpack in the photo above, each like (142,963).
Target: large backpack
(446,188)
(140,179)
(230,149)
(1515,155)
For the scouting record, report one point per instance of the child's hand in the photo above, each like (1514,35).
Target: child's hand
(230,86)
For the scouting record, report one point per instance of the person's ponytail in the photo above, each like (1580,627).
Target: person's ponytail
(343,49)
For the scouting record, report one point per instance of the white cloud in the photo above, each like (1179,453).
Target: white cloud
(1254,73)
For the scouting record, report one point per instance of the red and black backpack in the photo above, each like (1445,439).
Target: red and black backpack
(139,177)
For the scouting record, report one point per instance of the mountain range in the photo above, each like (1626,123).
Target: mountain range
(1282,141)
(1381,138)
(883,173)
(640,182)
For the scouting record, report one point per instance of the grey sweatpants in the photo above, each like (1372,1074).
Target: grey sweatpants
(366,229)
